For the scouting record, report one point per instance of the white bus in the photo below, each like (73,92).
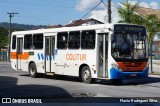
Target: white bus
(106,51)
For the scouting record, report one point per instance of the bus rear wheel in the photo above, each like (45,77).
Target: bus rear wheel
(86,75)
(33,70)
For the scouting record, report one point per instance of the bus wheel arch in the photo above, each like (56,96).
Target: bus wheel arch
(85,73)
(32,69)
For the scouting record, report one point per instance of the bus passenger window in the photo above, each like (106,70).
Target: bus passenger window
(14,42)
(38,41)
(74,40)
(28,41)
(88,40)
(62,40)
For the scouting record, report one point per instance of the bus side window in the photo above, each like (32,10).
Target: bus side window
(28,41)
(74,40)
(88,39)
(62,40)
(38,41)
(14,42)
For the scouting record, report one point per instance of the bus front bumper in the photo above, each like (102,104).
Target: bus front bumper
(118,74)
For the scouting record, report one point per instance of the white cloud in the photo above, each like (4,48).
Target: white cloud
(115,15)
(154,5)
(101,13)
(133,2)
(85,4)
(144,4)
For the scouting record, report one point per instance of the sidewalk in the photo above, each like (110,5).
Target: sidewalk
(5,63)
(156,67)
(153,75)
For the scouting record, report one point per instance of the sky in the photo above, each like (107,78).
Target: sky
(52,12)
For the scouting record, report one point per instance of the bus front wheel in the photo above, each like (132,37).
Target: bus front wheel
(86,75)
(33,70)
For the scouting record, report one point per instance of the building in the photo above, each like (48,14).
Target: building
(78,23)
(84,22)
(56,26)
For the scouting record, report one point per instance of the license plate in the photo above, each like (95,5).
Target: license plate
(133,75)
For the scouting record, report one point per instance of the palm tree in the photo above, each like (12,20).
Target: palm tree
(127,13)
(152,23)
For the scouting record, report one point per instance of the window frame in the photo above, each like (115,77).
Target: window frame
(31,42)
(88,40)
(14,42)
(38,41)
(63,34)
(79,40)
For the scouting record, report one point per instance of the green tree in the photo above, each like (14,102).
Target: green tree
(152,23)
(127,13)
(3,37)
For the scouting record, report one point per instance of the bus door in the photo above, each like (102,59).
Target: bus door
(19,52)
(49,53)
(103,55)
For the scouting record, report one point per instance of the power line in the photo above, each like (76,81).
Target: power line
(104,3)
(101,1)
(92,9)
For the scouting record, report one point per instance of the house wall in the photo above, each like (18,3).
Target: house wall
(90,23)
(157,49)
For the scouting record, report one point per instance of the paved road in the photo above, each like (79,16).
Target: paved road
(19,84)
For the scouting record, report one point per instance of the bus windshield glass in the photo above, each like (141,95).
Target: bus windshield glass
(129,45)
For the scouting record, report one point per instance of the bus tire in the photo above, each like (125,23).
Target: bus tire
(86,75)
(33,70)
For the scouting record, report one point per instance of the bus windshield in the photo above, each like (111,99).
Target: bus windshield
(129,45)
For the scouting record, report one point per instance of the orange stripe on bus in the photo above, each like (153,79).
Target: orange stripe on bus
(15,55)
(132,66)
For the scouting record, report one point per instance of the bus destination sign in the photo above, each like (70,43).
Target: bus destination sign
(129,28)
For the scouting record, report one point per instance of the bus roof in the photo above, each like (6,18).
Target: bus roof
(62,29)
(66,29)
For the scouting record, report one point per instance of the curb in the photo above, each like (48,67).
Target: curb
(154,75)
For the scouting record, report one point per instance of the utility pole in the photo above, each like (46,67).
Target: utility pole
(9,32)
(109,12)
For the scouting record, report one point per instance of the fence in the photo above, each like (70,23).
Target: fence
(3,55)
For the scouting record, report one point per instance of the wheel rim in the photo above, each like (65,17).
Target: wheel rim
(87,75)
(32,70)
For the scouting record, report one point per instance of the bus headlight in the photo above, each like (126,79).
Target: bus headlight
(116,66)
